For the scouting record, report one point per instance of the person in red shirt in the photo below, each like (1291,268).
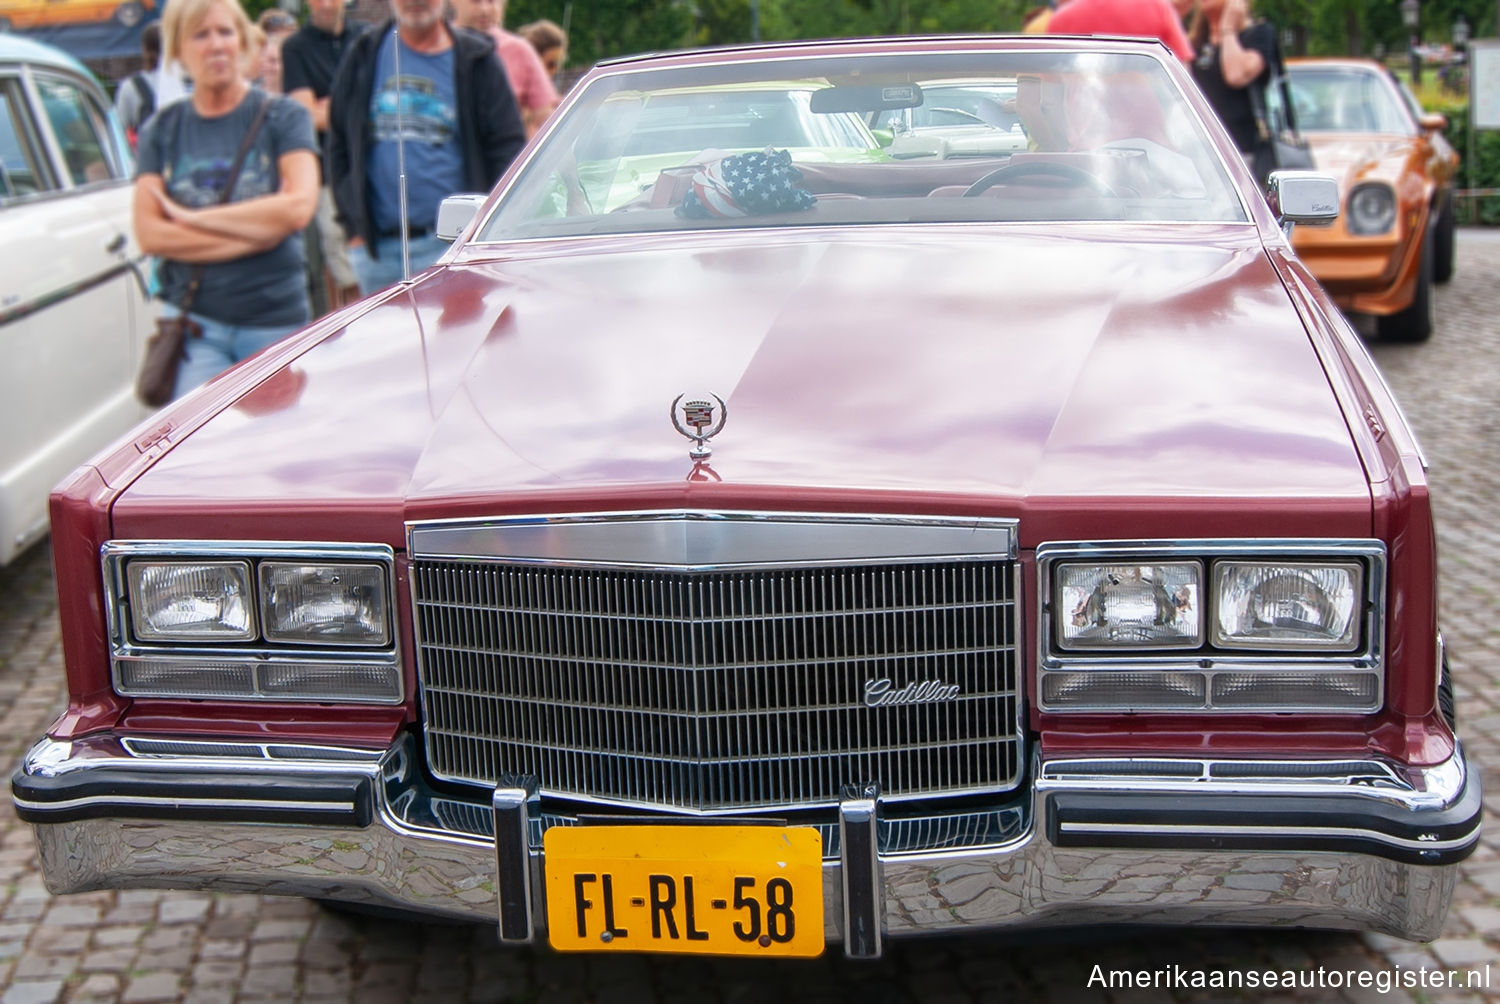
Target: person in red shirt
(529,81)
(1141,18)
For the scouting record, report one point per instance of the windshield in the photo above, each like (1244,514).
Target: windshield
(1346,100)
(870,139)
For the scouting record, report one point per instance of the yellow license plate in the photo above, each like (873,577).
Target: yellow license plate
(700,890)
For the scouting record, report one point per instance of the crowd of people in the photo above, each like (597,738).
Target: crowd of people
(265,147)
(271,154)
(1231,56)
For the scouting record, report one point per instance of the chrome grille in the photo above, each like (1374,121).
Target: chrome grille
(718,690)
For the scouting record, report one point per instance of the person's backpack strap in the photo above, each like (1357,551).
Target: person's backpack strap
(147,94)
(1279,81)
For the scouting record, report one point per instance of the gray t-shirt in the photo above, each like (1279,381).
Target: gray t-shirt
(193,155)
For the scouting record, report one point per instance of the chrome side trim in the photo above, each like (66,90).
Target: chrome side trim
(1169,829)
(270,751)
(144,801)
(1415,789)
(62,294)
(696,539)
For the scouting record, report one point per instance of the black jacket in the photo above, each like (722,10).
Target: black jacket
(490,133)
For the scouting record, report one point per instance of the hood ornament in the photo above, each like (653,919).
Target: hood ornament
(699,414)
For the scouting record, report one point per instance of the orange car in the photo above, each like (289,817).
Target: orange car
(23,14)
(1394,235)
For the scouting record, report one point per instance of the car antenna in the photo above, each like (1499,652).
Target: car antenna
(401,161)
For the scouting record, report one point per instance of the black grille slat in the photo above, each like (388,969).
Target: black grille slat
(718,690)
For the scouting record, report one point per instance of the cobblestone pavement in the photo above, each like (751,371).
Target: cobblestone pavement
(149,946)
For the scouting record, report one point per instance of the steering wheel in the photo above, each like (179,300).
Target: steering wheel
(1040,168)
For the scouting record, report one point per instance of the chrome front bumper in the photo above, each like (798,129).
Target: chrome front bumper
(1358,844)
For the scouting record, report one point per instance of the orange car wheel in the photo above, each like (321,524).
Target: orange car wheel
(1442,249)
(1414,324)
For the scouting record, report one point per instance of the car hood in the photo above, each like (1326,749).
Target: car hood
(1352,159)
(1014,365)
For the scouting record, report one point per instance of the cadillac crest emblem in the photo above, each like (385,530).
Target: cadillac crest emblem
(697,422)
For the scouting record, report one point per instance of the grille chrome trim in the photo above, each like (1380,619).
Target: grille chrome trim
(721,688)
(961,830)
(701,539)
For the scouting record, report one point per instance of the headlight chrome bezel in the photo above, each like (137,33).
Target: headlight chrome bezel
(272,629)
(1348,639)
(1355,671)
(136,585)
(1070,611)
(371,671)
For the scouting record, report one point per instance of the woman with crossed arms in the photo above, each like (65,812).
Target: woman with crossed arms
(247,251)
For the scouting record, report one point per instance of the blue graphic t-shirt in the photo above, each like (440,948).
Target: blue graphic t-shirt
(194,155)
(428,122)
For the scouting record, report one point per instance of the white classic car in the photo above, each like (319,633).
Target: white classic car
(73,304)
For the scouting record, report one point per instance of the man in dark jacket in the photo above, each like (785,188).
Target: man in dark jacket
(452,111)
(309,59)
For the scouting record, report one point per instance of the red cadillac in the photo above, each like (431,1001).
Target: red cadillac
(829,492)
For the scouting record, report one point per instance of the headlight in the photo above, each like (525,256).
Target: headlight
(323,604)
(1129,606)
(1287,606)
(1232,626)
(199,601)
(1372,209)
(252,621)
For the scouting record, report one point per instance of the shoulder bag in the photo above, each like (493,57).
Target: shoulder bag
(1279,147)
(167,346)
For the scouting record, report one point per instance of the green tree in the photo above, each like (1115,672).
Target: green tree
(599,29)
(604,28)
(846,18)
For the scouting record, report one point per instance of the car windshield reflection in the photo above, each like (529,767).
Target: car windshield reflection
(891,139)
(1346,100)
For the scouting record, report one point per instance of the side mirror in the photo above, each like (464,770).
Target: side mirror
(1433,122)
(455,213)
(1303,197)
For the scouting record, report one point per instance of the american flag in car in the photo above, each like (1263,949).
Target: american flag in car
(746,184)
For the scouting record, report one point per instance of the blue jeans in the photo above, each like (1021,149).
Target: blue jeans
(378,273)
(221,346)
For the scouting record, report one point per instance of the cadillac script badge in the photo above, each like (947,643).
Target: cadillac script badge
(883,693)
(697,422)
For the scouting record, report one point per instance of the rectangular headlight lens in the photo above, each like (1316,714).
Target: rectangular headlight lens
(1279,691)
(162,678)
(269,680)
(191,601)
(338,681)
(1287,605)
(1084,690)
(1129,606)
(324,603)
